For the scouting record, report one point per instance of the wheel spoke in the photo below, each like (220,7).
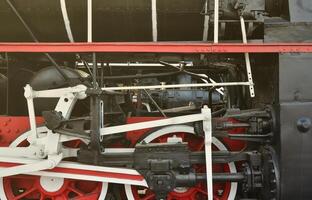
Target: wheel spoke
(60,197)
(201,191)
(150,196)
(193,196)
(169,198)
(75,190)
(42,196)
(93,195)
(32,183)
(215,197)
(24,194)
(200,145)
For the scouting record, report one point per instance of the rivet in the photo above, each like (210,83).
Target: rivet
(304,124)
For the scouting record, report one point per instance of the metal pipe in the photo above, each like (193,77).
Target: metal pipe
(86,64)
(66,21)
(139,76)
(102,76)
(155,103)
(222,177)
(94,71)
(89,20)
(95,111)
(154,21)
(206,27)
(176,86)
(181,69)
(216,21)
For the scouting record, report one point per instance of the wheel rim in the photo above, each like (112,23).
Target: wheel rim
(221,191)
(48,188)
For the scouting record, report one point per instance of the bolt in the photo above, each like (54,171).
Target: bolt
(21,190)
(304,124)
(159,182)
(41,153)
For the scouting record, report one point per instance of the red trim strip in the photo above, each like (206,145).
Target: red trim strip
(84,172)
(158,47)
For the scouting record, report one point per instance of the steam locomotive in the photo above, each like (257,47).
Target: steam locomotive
(125,117)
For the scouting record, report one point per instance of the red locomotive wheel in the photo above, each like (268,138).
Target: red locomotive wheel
(222,191)
(29,187)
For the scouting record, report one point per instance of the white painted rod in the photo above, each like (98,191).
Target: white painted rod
(151,124)
(208,150)
(154,21)
(243,27)
(247,59)
(31,111)
(176,86)
(216,21)
(23,169)
(89,20)
(66,21)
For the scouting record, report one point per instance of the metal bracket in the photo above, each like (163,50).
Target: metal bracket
(247,59)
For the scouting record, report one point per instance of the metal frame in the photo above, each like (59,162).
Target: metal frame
(19,161)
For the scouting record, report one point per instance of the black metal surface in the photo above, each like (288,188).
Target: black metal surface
(53,119)
(118,20)
(295,134)
(295,77)
(281,30)
(296,152)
